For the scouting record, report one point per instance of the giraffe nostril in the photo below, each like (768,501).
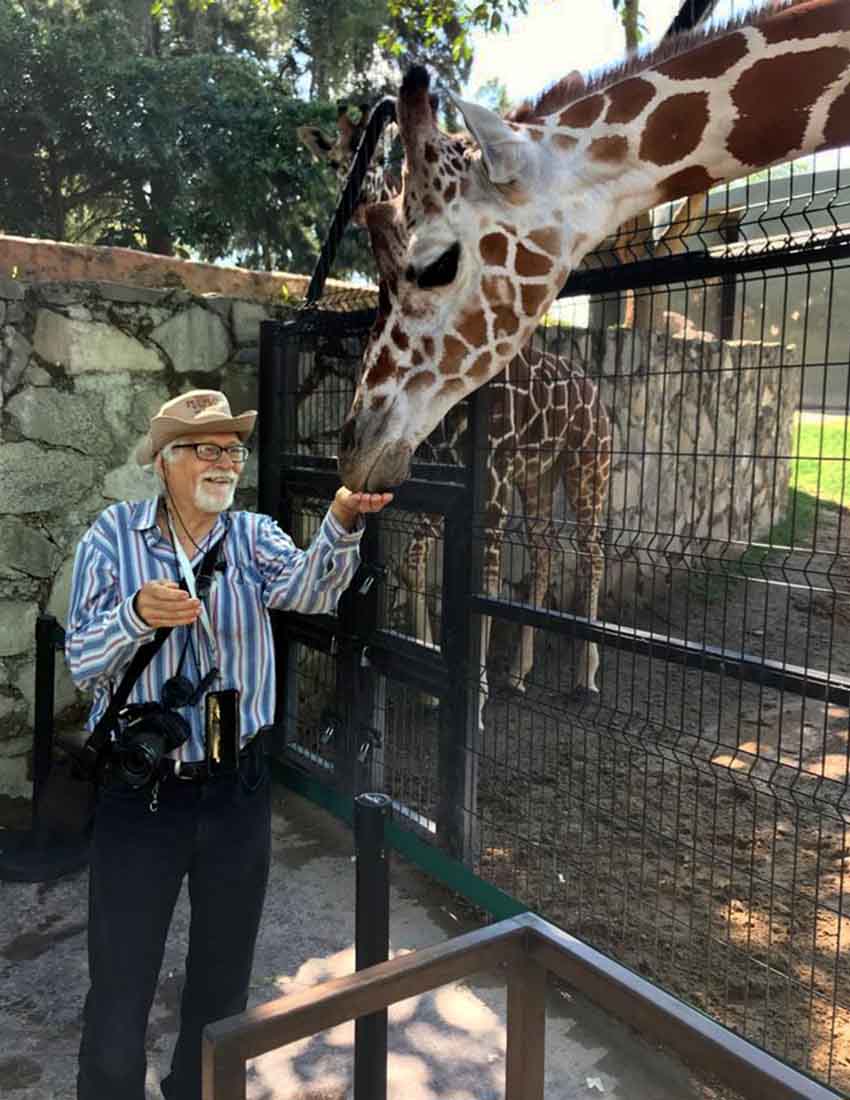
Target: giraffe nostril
(347,435)
(410,274)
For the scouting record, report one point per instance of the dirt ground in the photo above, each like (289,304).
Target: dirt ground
(691,825)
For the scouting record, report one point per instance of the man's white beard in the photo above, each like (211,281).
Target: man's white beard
(214,499)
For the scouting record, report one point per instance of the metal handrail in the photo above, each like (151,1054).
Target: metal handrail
(530,948)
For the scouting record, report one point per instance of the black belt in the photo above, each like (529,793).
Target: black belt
(198,771)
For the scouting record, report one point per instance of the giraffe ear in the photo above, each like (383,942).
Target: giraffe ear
(504,152)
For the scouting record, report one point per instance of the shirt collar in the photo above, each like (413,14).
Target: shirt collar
(143,514)
(143,517)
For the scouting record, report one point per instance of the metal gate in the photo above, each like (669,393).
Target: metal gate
(375,680)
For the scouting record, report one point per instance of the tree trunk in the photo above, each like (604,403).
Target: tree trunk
(158,236)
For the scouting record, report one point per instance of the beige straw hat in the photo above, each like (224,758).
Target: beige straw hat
(191,413)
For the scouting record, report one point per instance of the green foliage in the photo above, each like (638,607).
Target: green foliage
(194,154)
(171,126)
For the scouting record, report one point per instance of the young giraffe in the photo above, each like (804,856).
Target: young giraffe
(487,229)
(547,423)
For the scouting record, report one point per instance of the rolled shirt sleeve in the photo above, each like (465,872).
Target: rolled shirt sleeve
(312,580)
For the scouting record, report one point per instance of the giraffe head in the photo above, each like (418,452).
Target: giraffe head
(449,250)
(379,184)
(487,227)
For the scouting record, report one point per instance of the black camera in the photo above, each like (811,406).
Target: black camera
(150,732)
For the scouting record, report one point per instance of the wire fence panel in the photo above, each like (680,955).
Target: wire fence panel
(599,648)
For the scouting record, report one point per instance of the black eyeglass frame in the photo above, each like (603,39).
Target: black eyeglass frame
(240,447)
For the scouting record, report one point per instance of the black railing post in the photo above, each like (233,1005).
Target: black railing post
(45,700)
(371,938)
(37,854)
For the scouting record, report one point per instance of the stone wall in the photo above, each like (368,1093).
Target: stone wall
(82,367)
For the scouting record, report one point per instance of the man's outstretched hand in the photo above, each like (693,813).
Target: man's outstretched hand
(347,506)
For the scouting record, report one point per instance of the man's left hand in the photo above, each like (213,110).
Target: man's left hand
(347,506)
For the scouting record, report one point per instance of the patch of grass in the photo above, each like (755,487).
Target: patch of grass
(822,458)
(820,480)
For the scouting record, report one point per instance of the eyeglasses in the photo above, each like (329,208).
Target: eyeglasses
(211,452)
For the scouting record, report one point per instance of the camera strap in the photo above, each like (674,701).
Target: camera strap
(90,753)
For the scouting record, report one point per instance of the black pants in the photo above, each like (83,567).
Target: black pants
(218,834)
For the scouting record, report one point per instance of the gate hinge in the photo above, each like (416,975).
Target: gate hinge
(372,571)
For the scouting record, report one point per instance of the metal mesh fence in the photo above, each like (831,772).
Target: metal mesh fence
(690,816)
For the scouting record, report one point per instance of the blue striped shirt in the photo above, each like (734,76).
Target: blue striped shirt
(124,548)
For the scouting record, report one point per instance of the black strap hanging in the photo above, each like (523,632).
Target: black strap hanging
(90,754)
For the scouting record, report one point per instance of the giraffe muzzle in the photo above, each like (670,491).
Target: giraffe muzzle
(373,469)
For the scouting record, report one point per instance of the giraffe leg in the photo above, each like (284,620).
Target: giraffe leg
(586,484)
(495,514)
(412,572)
(537,505)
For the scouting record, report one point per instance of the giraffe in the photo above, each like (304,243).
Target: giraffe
(487,228)
(547,423)
(380,184)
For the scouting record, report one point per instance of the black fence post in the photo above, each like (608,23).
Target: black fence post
(371,938)
(276,428)
(46,628)
(37,854)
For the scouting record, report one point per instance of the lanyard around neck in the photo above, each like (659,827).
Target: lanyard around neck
(189,578)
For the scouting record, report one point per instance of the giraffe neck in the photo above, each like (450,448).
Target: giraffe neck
(726,105)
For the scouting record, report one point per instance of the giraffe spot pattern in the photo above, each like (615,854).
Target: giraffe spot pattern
(481,366)
(548,239)
(674,128)
(428,347)
(431,154)
(562,141)
(774,98)
(498,289)
(533,297)
(473,328)
(531,263)
(609,150)
(627,99)
(417,358)
(451,191)
(384,366)
(505,322)
(454,352)
(689,181)
(494,249)
(806,21)
(423,380)
(582,114)
(708,61)
(399,337)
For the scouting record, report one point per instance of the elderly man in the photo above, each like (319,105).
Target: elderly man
(197,806)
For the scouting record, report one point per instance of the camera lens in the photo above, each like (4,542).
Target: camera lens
(138,760)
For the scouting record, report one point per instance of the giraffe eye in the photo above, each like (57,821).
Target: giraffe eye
(442,271)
